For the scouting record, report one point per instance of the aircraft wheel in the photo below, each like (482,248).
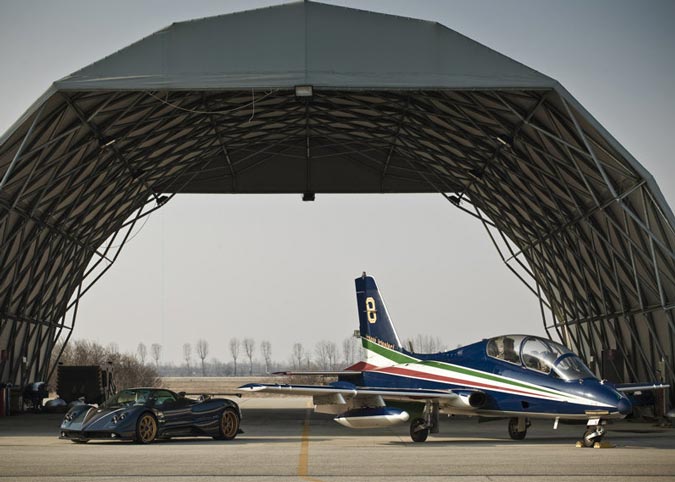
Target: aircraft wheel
(514,433)
(418,430)
(146,429)
(589,442)
(229,425)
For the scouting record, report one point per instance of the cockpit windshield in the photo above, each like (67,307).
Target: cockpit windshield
(539,354)
(505,348)
(570,367)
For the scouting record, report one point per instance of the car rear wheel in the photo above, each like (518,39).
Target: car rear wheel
(229,424)
(146,428)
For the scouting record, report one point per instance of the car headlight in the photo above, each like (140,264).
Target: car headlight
(118,418)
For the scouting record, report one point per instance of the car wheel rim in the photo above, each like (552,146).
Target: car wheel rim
(228,424)
(148,428)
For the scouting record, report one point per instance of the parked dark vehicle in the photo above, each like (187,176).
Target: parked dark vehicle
(94,383)
(145,414)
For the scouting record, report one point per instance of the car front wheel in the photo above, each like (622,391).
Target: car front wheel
(146,429)
(229,424)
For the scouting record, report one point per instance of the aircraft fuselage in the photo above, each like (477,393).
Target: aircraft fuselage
(510,388)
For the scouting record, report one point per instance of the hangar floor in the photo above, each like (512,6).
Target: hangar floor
(285,441)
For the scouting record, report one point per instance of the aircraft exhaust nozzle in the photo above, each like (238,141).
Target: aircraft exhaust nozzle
(470,399)
(372,417)
(477,399)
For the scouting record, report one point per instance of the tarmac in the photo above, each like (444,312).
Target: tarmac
(285,440)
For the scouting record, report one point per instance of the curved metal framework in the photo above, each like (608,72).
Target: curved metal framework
(397,105)
(571,217)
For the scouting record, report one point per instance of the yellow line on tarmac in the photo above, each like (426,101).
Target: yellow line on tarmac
(303,462)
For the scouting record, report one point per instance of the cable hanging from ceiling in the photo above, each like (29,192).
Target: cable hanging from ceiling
(218,112)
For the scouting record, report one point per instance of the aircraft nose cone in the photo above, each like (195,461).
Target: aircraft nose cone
(624,406)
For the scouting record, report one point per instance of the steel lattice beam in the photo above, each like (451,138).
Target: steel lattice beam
(569,215)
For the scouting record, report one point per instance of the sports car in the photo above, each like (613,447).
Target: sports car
(146,414)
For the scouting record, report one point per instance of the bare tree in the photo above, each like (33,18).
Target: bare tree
(235,346)
(349,349)
(298,355)
(326,354)
(321,352)
(202,347)
(156,350)
(129,371)
(187,356)
(332,355)
(266,349)
(249,348)
(218,368)
(142,352)
(425,344)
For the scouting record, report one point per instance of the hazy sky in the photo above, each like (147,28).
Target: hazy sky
(272,267)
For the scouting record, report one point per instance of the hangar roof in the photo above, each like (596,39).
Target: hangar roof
(326,46)
(305,43)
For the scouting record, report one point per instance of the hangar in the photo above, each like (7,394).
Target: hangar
(326,99)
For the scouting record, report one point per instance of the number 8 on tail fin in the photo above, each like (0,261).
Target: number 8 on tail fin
(377,331)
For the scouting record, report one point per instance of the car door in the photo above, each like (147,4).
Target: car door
(176,415)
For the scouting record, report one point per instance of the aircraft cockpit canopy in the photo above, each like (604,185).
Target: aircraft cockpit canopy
(539,354)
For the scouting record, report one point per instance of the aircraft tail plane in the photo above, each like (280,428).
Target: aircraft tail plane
(378,335)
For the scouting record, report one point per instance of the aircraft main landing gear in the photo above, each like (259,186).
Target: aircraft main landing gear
(518,427)
(595,431)
(419,430)
(428,423)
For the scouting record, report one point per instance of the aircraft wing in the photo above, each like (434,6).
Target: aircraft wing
(335,373)
(351,392)
(355,369)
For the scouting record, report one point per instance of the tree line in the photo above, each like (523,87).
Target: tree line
(128,370)
(256,358)
(246,357)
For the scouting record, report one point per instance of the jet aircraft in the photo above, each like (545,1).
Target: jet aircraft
(518,377)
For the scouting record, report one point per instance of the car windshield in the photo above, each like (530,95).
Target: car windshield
(128,398)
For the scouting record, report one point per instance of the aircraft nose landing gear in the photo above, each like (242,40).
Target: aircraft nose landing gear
(595,430)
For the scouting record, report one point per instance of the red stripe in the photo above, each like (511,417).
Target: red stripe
(361,366)
(456,381)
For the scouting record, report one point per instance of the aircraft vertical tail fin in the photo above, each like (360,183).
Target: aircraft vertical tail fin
(378,335)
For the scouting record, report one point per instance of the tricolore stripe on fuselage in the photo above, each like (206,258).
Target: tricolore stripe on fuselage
(460,376)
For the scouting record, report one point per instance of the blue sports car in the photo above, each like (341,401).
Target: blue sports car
(145,414)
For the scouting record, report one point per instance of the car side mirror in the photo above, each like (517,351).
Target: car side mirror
(181,394)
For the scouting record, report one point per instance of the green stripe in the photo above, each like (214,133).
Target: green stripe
(494,378)
(393,355)
(398,357)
